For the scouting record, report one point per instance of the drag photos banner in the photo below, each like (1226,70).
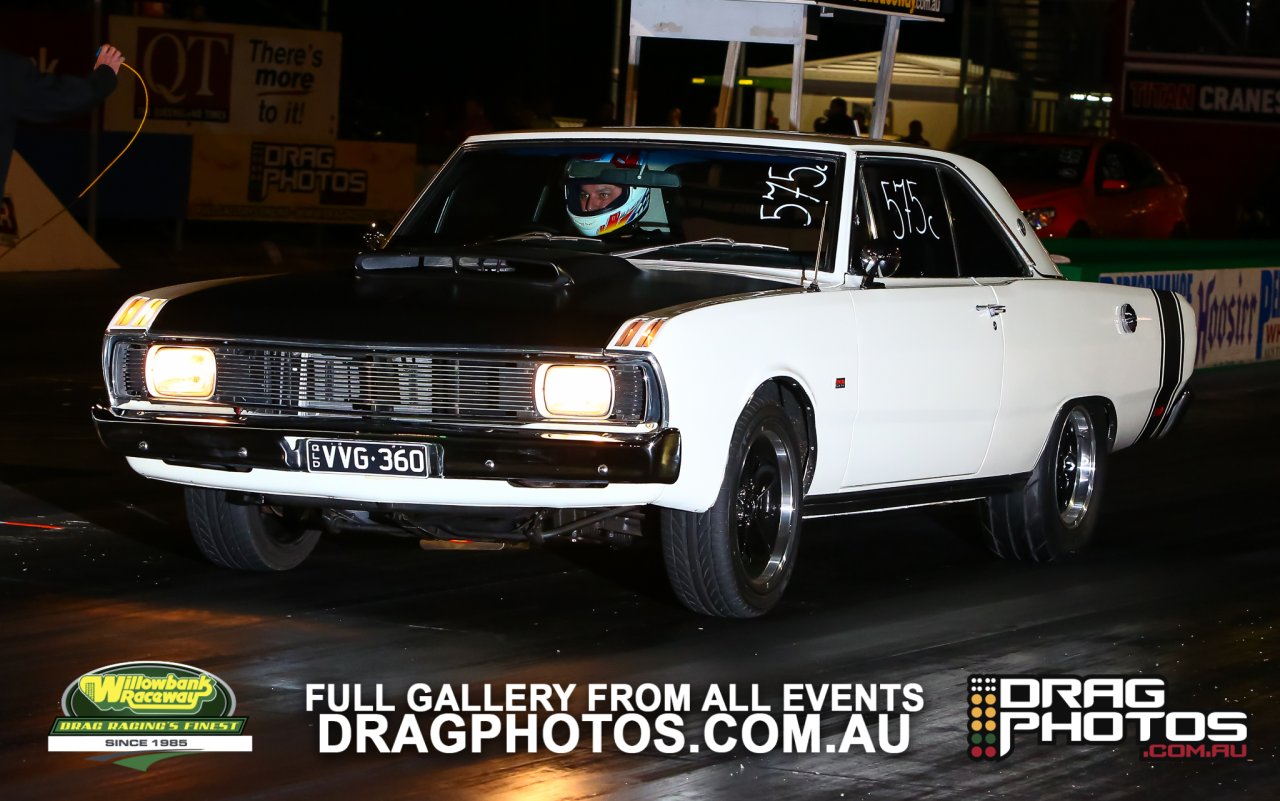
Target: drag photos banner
(247,178)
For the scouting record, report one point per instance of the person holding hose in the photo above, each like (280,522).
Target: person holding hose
(28,95)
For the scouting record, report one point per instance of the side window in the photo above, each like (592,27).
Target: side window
(1111,166)
(982,246)
(1140,168)
(907,212)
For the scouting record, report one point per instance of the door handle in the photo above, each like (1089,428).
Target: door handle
(990,308)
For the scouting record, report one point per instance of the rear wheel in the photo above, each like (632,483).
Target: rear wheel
(1057,511)
(736,558)
(260,537)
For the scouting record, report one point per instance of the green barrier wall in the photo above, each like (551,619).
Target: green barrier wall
(1092,257)
(1233,287)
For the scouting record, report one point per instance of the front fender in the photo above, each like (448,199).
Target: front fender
(713,360)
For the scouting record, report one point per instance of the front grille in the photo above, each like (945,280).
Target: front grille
(427,386)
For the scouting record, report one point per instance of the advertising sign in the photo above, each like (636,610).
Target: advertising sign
(1204,96)
(916,9)
(262,178)
(238,79)
(1237,311)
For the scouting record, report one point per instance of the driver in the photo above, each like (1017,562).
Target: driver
(597,208)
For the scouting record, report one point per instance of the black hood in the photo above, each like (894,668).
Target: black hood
(554,300)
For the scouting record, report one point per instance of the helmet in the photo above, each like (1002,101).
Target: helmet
(609,213)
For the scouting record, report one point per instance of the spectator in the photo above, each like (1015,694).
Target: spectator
(836,120)
(673,117)
(915,134)
(28,95)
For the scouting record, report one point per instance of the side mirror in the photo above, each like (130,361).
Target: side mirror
(879,263)
(373,239)
(1114,185)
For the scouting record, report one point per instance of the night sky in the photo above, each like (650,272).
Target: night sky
(405,63)
(408,66)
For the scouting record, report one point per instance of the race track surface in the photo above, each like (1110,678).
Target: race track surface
(1181,583)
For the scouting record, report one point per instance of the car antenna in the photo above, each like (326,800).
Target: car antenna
(817,258)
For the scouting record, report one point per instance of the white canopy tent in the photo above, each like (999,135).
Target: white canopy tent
(739,22)
(925,88)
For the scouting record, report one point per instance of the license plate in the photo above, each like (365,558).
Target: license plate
(373,458)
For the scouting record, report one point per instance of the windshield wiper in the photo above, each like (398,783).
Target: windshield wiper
(711,241)
(548,236)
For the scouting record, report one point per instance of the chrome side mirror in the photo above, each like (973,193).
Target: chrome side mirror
(880,263)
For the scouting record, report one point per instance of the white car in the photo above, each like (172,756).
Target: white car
(702,335)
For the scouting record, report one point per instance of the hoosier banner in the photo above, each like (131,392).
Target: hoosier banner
(250,178)
(1237,310)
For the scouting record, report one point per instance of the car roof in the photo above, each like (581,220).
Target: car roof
(722,135)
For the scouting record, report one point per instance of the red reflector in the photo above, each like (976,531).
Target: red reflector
(1159,412)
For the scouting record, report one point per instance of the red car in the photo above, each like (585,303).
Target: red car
(1084,185)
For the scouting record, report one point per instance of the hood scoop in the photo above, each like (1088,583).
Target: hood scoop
(470,265)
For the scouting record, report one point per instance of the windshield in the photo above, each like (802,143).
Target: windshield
(674,202)
(1030,162)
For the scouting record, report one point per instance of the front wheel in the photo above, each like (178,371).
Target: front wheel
(1057,511)
(260,537)
(736,558)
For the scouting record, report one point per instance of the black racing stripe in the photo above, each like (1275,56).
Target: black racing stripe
(1178,344)
(1171,338)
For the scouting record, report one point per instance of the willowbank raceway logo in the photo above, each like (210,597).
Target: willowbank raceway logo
(140,713)
(1095,709)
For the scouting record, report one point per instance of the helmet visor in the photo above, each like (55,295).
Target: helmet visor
(587,197)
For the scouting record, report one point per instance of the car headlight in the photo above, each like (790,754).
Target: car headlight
(1040,218)
(137,313)
(182,372)
(574,390)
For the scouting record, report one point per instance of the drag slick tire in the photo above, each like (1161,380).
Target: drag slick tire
(255,537)
(736,558)
(1057,511)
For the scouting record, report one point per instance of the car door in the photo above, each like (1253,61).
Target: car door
(930,348)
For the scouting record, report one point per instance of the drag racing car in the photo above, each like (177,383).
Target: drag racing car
(705,336)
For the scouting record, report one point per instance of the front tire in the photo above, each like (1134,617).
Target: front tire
(258,537)
(1057,511)
(736,558)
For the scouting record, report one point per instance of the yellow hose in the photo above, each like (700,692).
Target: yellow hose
(146,108)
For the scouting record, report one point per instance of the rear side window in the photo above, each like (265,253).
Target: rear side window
(1122,162)
(907,211)
(982,247)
